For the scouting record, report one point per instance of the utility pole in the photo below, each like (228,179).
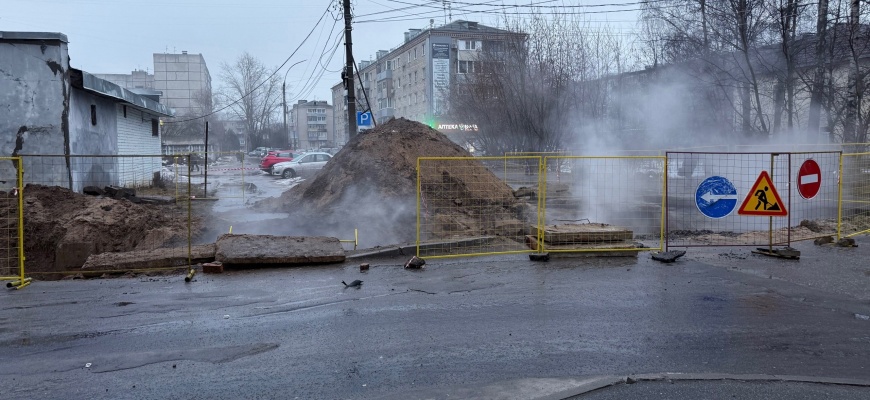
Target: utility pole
(284,108)
(348,74)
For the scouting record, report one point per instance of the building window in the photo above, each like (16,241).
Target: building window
(423,48)
(469,45)
(155,127)
(415,53)
(93,114)
(465,67)
(125,111)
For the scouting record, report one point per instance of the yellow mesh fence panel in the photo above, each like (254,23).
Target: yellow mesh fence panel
(476,205)
(855,195)
(11,223)
(595,204)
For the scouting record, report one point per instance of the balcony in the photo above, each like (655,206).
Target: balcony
(383,75)
(317,136)
(385,113)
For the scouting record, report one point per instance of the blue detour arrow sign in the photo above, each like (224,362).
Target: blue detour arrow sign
(716,197)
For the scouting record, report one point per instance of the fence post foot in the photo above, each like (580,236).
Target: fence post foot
(544,257)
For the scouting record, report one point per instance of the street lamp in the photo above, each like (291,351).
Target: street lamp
(284,102)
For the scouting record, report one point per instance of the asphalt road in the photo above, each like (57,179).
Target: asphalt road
(495,327)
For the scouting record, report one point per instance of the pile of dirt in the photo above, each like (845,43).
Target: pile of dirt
(61,227)
(372,183)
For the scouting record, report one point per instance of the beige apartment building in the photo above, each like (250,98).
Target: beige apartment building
(311,125)
(414,79)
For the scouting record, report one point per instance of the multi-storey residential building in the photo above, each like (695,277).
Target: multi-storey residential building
(185,82)
(413,80)
(182,80)
(311,125)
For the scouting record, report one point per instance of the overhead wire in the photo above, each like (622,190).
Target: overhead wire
(268,78)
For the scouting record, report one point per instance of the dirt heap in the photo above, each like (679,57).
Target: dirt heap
(371,183)
(62,227)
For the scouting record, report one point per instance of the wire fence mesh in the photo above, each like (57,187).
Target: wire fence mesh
(11,223)
(722,199)
(855,195)
(82,205)
(476,206)
(602,203)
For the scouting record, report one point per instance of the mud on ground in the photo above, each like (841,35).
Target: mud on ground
(59,223)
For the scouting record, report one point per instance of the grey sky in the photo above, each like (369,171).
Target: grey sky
(117,36)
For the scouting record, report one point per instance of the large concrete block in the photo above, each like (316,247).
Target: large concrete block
(144,259)
(284,250)
(583,233)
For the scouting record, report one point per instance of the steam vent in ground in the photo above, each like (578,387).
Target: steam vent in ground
(371,184)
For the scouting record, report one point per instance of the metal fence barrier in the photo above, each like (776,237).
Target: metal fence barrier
(854,212)
(602,204)
(62,228)
(474,206)
(223,176)
(12,223)
(722,199)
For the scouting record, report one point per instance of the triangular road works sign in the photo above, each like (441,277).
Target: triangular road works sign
(763,200)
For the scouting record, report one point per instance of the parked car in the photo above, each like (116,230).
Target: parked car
(274,157)
(305,165)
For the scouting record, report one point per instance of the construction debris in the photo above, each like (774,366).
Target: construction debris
(824,240)
(588,239)
(415,263)
(847,242)
(215,267)
(363,267)
(668,256)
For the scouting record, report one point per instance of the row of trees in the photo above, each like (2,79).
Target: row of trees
(732,69)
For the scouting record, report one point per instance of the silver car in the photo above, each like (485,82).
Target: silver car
(305,165)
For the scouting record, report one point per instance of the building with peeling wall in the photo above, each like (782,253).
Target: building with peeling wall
(53,115)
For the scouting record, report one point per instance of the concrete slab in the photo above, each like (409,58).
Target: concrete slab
(583,233)
(284,250)
(148,259)
(623,248)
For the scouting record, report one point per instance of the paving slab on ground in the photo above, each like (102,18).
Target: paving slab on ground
(267,249)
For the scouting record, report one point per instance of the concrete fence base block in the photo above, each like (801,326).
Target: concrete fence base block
(284,250)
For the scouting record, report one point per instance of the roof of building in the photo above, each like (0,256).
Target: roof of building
(7,35)
(312,103)
(90,83)
(466,26)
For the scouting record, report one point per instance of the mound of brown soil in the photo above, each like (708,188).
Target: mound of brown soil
(371,184)
(61,227)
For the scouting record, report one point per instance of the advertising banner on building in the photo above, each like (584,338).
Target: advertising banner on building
(440,77)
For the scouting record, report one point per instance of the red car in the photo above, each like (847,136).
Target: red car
(274,157)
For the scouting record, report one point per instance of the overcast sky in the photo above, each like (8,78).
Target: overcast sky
(117,36)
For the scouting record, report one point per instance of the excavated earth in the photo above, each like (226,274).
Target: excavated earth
(371,184)
(62,228)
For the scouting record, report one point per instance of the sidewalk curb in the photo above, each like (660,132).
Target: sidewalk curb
(612,380)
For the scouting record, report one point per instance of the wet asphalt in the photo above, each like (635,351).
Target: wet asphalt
(487,327)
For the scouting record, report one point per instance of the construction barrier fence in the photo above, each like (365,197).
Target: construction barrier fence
(221,176)
(62,228)
(465,208)
(854,196)
(750,199)
(12,223)
(602,204)
(523,204)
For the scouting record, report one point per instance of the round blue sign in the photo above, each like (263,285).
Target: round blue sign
(716,197)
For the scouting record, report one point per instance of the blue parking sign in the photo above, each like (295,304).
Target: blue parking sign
(364,118)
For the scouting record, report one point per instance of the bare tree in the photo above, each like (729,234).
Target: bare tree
(253,94)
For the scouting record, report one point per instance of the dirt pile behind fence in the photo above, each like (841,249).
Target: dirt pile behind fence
(62,227)
(371,184)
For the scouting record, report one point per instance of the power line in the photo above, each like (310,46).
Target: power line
(268,78)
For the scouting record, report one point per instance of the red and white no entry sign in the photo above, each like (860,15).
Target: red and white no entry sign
(809,179)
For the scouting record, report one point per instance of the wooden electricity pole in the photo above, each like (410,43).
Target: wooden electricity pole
(348,74)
